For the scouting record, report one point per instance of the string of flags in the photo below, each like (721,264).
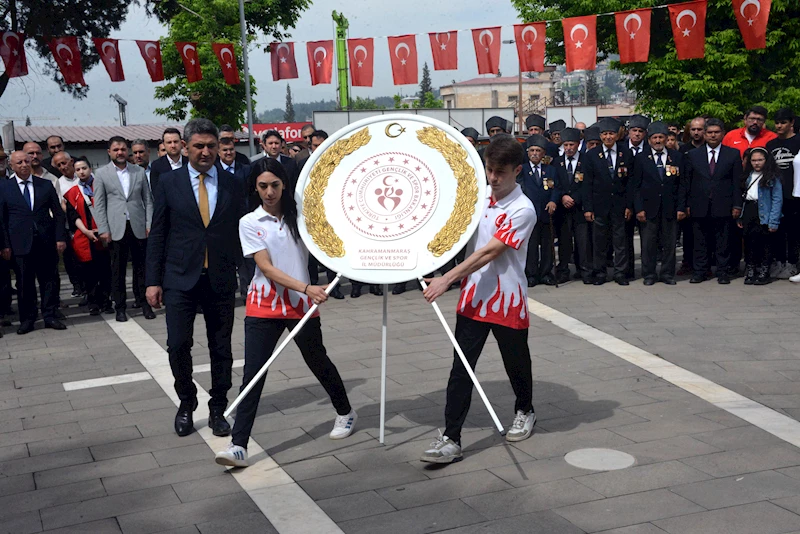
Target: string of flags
(688,21)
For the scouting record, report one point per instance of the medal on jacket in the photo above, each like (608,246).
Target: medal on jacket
(548,184)
(547,159)
(578,177)
(622,171)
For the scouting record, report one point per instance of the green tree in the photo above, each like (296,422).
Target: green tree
(425,86)
(723,84)
(27,120)
(429,101)
(365,104)
(288,114)
(592,88)
(203,22)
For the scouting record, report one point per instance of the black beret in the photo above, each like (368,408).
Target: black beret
(638,121)
(592,133)
(534,120)
(571,134)
(657,127)
(470,132)
(497,122)
(557,126)
(608,124)
(536,140)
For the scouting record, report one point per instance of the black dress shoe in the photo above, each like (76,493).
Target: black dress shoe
(217,423)
(621,280)
(59,314)
(184,423)
(148,312)
(76,291)
(563,278)
(337,293)
(376,290)
(724,279)
(399,289)
(587,281)
(121,317)
(355,291)
(84,300)
(94,311)
(697,279)
(108,308)
(669,281)
(25,327)
(548,280)
(599,281)
(649,281)
(532,281)
(55,324)
(136,304)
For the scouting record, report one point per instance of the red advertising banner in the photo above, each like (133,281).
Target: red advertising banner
(290,131)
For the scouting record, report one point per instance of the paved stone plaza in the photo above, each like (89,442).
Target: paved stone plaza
(105,459)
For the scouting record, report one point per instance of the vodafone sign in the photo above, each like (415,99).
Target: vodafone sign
(289,130)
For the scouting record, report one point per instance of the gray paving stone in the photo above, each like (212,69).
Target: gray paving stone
(16,484)
(197,512)
(535,523)
(253,522)
(40,499)
(13,452)
(315,468)
(642,478)
(547,445)
(443,489)
(39,434)
(591,421)
(105,507)
(667,427)
(738,438)
(538,497)
(643,528)
(360,481)
(27,523)
(117,466)
(627,510)
(742,489)
(46,461)
(432,518)
(84,440)
(668,449)
(182,455)
(161,476)
(206,488)
(537,472)
(740,461)
(355,506)
(132,419)
(756,518)
(790,503)
(104,526)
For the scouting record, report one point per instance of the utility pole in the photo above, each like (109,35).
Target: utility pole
(341,59)
(520,120)
(122,103)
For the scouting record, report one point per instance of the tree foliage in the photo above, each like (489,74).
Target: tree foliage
(216,21)
(288,114)
(592,89)
(728,80)
(425,85)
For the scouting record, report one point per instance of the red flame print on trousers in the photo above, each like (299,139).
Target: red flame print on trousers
(269,302)
(507,308)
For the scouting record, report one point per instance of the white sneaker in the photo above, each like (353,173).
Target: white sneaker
(795,278)
(443,451)
(776,268)
(522,427)
(343,426)
(233,456)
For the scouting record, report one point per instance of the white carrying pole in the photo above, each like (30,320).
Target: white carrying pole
(383,357)
(280,348)
(464,361)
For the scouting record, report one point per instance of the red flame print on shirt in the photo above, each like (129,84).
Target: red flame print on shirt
(505,232)
(505,306)
(271,302)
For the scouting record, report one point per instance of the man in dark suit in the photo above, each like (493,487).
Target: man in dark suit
(711,193)
(607,201)
(172,160)
(34,231)
(192,253)
(228,161)
(271,142)
(656,177)
(55,144)
(226,134)
(571,225)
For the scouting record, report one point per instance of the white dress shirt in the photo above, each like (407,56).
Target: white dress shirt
(228,168)
(125,181)
(611,153)
(635,149)
(175,165)
(211,187)
(715,151)
(21,183)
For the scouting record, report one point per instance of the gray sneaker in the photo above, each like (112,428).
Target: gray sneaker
(776,269)
(522,427)
(443,451)
(788,271)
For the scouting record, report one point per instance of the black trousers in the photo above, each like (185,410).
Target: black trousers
(756,236)
(40,264)
(630,227)
(471,336)
(573,231)
(5,286)
(659,230)
(218,315)
(786,241)
(73,268)
(540,253)
(260,338)
(313,271)
(127,247)
(96,277)
(687,236)
(708,230)
(611,228)
(735,243)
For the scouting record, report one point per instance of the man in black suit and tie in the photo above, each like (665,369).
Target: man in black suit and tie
(711,193)
(271,142)
(656,177)
(171,161)
(192,253)
(607,201)
(228,161)
(226,134)
(34,231)
(571,225)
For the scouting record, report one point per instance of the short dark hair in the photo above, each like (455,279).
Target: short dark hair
(117,139)
(227,141)
(170,131)
(56,136)
(225,128)
(505,150)
(140,142)
(199,127)
(713,121)
(758,110)
(322,134)
(271,133)
(784,114)
(83,159)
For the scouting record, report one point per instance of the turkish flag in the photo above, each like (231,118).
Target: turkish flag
(633,35)
(487,49)
(689,28)
(580,42)
(227,62)
(12,49)
(361,63)
(444,48)
(109,55)
(752,16)
(68,58)
(284,66)
(320,61)
(191,62)
(530,46)
(151,53)
(403,53)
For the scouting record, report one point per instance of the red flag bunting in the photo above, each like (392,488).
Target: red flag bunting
(227,62)
(109,55)
(403,53)
(361,62)
(151,53)
(752,17)
(444,48)
(530,45)
(191,61)
(580,42)
(320,61)
(284,66)
(689,28)
(633,35)
(487,49)
(68,58)
(12,49)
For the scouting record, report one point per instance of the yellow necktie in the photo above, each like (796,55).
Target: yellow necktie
(202,196)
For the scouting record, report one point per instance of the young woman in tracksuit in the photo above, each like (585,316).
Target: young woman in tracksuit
(761,213)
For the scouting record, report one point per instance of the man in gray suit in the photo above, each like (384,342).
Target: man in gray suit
(123,209)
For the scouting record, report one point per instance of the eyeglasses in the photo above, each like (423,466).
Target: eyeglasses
(755,119)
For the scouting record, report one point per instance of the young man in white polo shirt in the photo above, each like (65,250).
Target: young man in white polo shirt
(493,299)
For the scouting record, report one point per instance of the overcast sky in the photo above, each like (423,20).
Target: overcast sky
(38,97)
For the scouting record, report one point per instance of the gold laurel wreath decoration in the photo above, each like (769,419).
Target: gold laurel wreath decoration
(466,191)
(317,223)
